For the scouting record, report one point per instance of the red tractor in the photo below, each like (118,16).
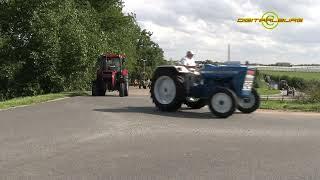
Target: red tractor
(112,75)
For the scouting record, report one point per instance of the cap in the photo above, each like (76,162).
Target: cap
(190,52)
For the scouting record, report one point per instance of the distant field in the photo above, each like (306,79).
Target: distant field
(304,75)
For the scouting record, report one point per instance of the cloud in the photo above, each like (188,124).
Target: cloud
(207,26)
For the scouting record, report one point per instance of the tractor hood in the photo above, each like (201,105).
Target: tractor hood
(223,71)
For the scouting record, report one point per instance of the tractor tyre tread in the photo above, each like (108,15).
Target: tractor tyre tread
(254,107)
(122,90)
(126,90)
(180,91)
(231,94)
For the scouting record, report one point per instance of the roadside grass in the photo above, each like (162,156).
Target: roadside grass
(304,75)
(264,89)
(267,91)
(291,106)
(37,99)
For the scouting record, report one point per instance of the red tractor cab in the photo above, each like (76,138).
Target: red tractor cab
(112,75)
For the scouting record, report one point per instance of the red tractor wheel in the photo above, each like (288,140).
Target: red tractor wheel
(126,90)
(94,88)
(98,88)
(122,89)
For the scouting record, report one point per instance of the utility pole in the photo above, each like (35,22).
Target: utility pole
(229,56)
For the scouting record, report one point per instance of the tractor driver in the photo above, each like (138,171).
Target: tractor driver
(188,60)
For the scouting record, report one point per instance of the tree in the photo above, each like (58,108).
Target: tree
(51,46)
(149,51)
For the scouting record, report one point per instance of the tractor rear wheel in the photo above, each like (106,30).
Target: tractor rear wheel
(167,90)
(195,103)
(102,88)
(126,89)
(222,103)
(249,104)
(122,89)
(94,88)
(98,88)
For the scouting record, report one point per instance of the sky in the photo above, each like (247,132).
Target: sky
(208,26)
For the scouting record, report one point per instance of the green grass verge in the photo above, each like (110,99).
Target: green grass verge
(291,106)
(266,91)
(304,75)
(37,99)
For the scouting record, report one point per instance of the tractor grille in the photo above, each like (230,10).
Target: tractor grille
(107,75)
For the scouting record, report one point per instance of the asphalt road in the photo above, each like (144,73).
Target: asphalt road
(126,138)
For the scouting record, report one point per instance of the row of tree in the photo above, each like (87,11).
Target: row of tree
(52,45)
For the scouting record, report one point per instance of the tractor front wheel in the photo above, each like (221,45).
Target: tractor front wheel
(222,103)
(249,104)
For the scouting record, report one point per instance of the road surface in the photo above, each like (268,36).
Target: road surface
(126,138)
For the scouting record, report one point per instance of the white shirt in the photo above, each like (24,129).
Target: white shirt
(187,62)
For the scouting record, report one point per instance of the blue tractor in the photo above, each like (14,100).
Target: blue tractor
(223,88)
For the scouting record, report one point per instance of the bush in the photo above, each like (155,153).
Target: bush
(313,91)
(51,46)
(298,83)
(311,88)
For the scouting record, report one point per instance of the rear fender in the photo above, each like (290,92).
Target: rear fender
(177,69)
(125,72)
